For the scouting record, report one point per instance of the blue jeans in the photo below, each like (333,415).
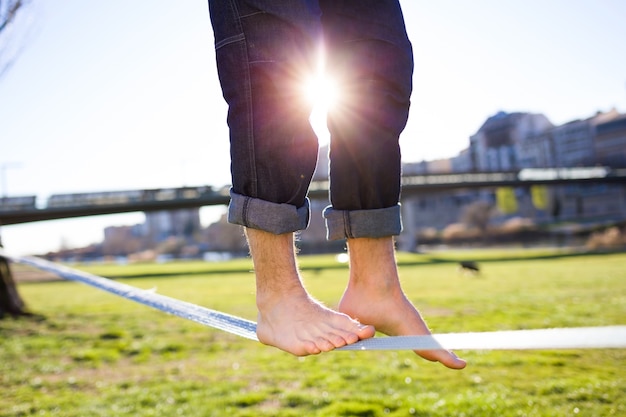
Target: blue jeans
(265,49)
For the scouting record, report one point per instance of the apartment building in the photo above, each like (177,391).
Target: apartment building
(512,141)
(609,143)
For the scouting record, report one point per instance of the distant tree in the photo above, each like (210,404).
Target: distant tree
(11,304)
(10,301)
(171,246)
(222,236)
(478,214)
(8,11)
(121,241)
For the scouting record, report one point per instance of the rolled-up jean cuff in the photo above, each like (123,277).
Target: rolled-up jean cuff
(343,224)
(264,215)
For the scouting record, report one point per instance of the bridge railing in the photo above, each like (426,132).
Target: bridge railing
(24,209)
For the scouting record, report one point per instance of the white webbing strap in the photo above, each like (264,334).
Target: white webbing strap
(222,321)
(564,338)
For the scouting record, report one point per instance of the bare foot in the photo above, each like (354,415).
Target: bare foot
(394,316)
(302,326)
(289,318)
(374,296)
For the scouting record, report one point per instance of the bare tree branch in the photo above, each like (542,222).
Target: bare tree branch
(8,11)
(10,301)
(15,24)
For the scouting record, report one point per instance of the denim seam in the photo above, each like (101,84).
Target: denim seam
(250,123)
(228,41)
(353,41)
(346,224)
(244,210)
(252,14)
(247,88)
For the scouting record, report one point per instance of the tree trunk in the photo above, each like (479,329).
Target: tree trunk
(10,301)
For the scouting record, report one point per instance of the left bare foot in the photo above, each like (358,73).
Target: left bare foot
(289,318)
(297,324)
(374,296)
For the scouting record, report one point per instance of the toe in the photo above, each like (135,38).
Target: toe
(324,345)
(338,339)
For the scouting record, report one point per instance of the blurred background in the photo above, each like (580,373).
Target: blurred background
(124,96)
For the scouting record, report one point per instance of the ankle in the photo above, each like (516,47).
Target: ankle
(275,267)
(373,265)
(374,288)
(288,290)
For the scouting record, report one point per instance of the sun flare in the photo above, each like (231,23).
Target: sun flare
(322,92)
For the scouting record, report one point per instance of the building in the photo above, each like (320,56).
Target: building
(462,162)
(512,141)
(160,225)
(496,145)
(122,240)
(609,143)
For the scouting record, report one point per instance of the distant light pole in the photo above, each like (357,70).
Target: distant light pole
(3,175)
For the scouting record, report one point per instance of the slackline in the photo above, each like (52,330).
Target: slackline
(559,338)
(222,321)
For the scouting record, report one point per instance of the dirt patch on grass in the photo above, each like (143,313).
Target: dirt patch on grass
(24,273)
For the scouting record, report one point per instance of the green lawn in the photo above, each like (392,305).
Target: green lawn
(95,354)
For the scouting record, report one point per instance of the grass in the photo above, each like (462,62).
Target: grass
(93,354)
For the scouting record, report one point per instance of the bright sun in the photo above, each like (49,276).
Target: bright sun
(322,92)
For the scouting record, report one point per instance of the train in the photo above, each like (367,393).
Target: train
(106,198)
(18,203)
(110,198)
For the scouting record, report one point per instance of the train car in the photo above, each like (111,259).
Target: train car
(18,203)
(127,197)
(182,193)
(95,199)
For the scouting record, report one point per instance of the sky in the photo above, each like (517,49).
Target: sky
(121,95)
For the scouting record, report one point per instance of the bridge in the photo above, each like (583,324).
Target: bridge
(16,210)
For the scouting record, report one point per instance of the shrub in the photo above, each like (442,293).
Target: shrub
(610,238)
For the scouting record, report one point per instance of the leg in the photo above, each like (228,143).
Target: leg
(264,51)
(374,296)
(289,318)
(369,52)
(370,56)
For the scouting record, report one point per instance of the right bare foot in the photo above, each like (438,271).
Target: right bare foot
(302,326)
